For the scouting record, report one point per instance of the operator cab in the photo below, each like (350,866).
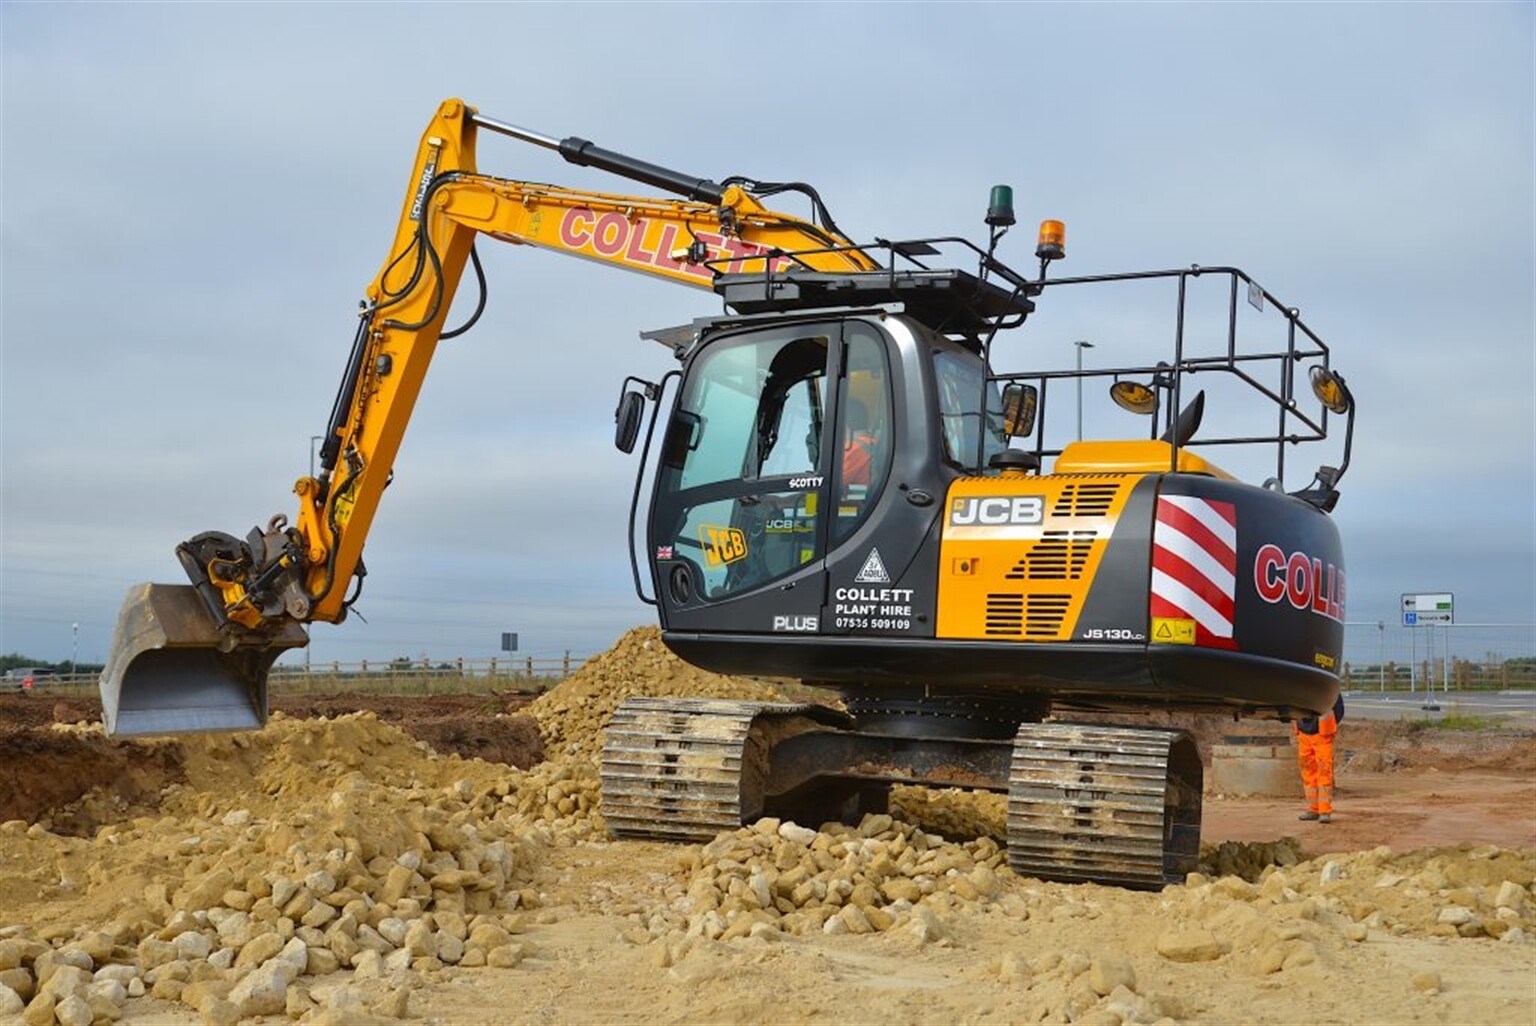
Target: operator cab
(834,497)
(803,441)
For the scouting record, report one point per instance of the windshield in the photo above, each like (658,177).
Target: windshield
(745,460)
(959,378)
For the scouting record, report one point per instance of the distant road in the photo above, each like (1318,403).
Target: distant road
(1398,704)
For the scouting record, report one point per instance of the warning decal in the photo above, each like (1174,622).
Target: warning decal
(1173,630)
(1194,564)
(873,570)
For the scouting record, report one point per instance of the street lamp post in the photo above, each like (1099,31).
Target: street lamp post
(74,649)
(1381,656)
(1081,344)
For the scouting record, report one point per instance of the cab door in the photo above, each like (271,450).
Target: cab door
(739,518)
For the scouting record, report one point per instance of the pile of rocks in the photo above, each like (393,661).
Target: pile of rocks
(227,966)
(951,812)
(415,865)
(563,795)
(573,715)
(777,877)
(1470,891)
(1248,859)
(1073,986)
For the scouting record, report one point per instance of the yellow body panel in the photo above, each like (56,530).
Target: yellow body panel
(1019,553)
(1144,456)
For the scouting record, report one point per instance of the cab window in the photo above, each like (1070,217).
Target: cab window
(744,457)
(865,438)
(958,376)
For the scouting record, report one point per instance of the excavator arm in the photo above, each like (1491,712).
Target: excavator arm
(197,658)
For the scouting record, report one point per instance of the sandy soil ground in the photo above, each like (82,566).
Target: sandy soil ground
(1415,905)
(1408,809)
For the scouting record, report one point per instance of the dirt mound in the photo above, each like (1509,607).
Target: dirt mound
(38,711)
(1509,747)
(574,713)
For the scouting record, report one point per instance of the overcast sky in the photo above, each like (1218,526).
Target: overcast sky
(194,197)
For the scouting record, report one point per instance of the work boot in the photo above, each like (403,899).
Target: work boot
(1309,815)
(1326,817)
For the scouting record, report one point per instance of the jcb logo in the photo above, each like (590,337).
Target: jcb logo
(722,545)
(997,510)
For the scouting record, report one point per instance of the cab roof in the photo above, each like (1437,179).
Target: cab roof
(951,302)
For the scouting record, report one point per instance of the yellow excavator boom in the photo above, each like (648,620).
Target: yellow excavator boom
(211,644)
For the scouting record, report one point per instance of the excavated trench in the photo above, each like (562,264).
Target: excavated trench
(45,772)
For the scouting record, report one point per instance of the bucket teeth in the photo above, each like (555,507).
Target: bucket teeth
(172,670)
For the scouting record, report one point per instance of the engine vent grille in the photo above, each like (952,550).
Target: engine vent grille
(1005,614)
(1028,616)
(1058,556)
(1045,614)
(1085,499)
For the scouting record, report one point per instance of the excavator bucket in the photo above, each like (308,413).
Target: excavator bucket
(172,671)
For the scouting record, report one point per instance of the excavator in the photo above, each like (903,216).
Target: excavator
(839,487)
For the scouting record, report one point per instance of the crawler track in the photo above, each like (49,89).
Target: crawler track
(1085,803)
(1103,804)
(679,769)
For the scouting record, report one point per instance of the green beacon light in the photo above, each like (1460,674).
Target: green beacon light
(1000,206)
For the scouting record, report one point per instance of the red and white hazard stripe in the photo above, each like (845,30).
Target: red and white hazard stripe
(1194,566)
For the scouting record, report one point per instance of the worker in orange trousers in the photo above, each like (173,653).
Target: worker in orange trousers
(1314,750)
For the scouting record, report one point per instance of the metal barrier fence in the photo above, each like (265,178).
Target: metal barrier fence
(425,676)
(1464,656)
(402,676)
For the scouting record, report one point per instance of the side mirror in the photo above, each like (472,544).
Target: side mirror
(1019,404)
(626,420)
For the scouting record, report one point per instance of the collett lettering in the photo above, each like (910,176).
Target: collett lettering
(616,237)
(1307,583)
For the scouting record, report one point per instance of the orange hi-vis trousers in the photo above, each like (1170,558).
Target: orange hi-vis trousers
(1315,753)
